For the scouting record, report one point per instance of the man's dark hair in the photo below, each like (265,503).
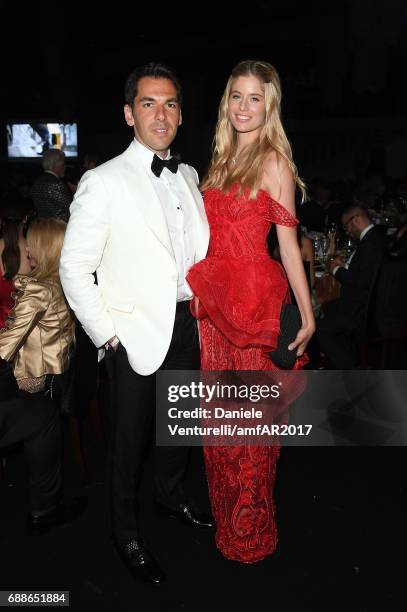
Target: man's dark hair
(157,71)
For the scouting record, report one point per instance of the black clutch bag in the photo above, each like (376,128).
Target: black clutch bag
(290,324)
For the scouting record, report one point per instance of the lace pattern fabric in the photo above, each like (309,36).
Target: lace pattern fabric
(239,293)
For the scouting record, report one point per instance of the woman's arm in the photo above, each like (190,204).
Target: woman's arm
(279,183)
(31,302)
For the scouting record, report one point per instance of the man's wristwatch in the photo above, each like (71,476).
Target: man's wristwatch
(111,344)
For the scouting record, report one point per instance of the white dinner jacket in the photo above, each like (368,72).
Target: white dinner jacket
(117,228)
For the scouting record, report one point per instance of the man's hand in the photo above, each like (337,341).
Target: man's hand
(336,261)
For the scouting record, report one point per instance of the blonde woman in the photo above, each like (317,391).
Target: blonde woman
(39,332)
(36,341)
(240,290)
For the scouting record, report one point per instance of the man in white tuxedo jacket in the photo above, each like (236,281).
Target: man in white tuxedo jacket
(139,222)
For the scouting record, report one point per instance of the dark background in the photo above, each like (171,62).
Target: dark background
(341,511)
(342,66)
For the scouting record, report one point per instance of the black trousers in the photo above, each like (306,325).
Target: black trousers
(335,333)
(132,425)
(34,420)
(85,364)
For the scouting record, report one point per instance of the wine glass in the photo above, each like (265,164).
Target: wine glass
(324,248)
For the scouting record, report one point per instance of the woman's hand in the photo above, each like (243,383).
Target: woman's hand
(303,337)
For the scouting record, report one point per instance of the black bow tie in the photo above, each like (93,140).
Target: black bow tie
(158,164)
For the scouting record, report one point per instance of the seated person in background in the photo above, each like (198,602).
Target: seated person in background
(13,256)
(336,331)
(51,196)
(39,331)
(35,421)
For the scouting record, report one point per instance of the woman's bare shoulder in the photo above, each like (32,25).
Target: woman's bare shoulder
(276,164)
(278,180)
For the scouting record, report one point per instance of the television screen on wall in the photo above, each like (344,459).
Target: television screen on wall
(30,140)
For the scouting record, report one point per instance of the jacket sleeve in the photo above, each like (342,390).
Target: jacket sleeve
(350,279)
(362,277)
(32,301)
(85,240)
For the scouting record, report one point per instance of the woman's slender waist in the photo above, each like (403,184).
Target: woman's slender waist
(249,258)
(235,270)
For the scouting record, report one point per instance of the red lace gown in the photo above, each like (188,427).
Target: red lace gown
(241,291)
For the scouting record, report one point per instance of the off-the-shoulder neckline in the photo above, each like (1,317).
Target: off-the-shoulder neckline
(261,190)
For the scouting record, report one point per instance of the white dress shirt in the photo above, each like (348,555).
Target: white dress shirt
(170,191)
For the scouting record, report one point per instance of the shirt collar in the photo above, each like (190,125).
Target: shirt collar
(145,154)
(367,229)
(50,172)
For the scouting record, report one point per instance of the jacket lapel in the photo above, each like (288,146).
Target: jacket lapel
(145,198)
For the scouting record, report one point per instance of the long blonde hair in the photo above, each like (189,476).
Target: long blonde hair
(249,166)
(44,241)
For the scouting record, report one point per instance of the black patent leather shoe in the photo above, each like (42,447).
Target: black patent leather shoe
(62,514)
(140,562)
(185,514)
